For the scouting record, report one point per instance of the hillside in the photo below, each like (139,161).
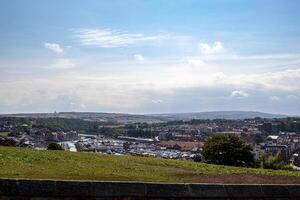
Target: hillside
(26,163)
(217,115)
(150,118)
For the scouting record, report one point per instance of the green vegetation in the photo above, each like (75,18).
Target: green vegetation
(26,163)
(228,150)
(53,124)
(273,162)
(60,124)
(54,146)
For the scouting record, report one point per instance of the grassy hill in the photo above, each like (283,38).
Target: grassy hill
(26,163)
(149,118)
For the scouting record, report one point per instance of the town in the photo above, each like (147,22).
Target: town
(171,139)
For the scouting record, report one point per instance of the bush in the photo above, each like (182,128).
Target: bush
(54,146)
(197,158)
(273,162)
(228,150)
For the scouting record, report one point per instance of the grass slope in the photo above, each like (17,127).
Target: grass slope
(26,163)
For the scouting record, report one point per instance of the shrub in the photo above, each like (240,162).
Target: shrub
(54,146)
(273,162)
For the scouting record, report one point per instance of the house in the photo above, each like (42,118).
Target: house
(272,140)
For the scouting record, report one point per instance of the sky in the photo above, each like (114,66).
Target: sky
(157,56)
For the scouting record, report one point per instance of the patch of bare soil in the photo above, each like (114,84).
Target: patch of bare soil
(241,179)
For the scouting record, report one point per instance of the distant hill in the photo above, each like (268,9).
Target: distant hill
(218,115)
(152,118)
(92,116)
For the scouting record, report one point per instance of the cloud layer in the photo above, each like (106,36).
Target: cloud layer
(62,63)
(181,88)
(107,38)
(207,77)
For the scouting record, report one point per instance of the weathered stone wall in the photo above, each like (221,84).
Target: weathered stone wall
(57,189)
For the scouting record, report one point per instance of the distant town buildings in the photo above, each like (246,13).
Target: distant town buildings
(172,140)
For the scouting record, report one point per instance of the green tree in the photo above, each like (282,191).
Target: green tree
(54,146)
(228,150)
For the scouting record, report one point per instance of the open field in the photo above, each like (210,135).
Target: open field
(33,164)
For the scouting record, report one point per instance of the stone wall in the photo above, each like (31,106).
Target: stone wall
(58,189)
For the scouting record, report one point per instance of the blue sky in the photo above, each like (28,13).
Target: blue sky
(149,56)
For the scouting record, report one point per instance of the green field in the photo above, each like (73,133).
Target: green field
(34,164)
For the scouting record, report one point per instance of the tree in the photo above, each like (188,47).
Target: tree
(228,150)
(54,146)
(258,138)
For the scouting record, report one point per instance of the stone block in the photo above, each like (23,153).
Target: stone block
(275,191)
(74,189)
(294,190)
(8,187)
(34,188)
(244,191)
(121,189)
(207,191)
(167,190)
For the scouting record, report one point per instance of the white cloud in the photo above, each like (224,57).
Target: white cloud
(72,91)
(285,80)
(139,57)
(107,38)
(54,47)
(274,98)
(83,106)
(232,56)
(195,62)
(216,48)
(292,97)
(112,89)
(62,63)
(157,101)
(118,92)
(220,76)
(239,94)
